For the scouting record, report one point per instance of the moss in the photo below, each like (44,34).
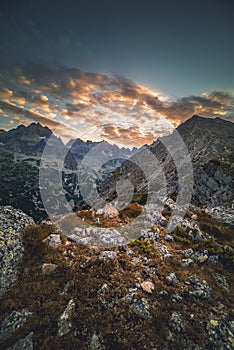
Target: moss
(143,245)
(180,239)
(225,253)
(222,232)
(181,235)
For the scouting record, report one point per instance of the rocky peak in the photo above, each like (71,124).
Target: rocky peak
(208,138)
(80,148)
(210,143)
(32,129)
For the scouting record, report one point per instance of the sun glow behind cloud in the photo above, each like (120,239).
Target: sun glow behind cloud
(95,106)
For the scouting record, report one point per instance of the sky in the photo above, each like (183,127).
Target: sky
(124,71)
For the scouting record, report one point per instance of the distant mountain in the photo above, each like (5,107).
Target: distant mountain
(210,143)
(21,152)
(80,148)
(26,139)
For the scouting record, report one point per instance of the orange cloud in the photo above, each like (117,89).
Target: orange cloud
(5,92)
(82,100)
(131,136)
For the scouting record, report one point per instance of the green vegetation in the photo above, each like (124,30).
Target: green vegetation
(181,235)
(225,253)
(143,245)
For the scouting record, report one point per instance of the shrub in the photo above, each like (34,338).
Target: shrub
(131,211)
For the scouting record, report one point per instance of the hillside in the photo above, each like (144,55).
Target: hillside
(164,292)
(21,152)
(210,145)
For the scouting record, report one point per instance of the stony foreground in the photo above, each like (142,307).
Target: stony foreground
(161,291)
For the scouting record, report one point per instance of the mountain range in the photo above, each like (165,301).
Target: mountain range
(61,289)
(21,152)
(210,144)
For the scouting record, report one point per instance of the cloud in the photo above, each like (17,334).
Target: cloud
(133,135)
(41,102)
(5,93)
(115,107)
(18,113)
(23,80)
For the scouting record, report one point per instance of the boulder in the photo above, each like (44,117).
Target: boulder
(64,323)
(147,287)
(54,240)
(109,211)
(13,322)
(23,344)
(12,225)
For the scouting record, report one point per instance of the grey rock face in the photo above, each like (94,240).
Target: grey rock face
(97,236)
(23,344)
(14,321)
(210,144)
(12,225)
(95,343)
(64,323)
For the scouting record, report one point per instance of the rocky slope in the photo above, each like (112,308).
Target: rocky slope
(21,151)
(211,146)
(210,143)
(61,289)
(164,292)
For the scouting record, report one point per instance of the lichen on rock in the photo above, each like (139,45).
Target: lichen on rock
(12,224)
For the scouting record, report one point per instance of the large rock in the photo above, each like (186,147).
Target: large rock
(65,323)
(13,322)
(23,344)
(95,342)
(12,225)
(109,211)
